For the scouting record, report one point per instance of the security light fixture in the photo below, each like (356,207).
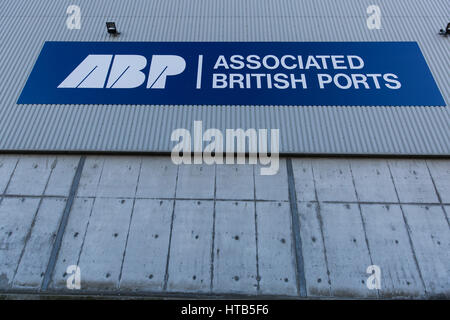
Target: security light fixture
(111,27)
(445,32)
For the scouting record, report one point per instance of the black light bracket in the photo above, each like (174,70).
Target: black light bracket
(111,28)
(445,32)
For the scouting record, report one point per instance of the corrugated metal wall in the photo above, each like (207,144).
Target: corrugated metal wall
(26,24)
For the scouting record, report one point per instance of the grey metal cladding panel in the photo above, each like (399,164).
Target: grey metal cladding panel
(25,25)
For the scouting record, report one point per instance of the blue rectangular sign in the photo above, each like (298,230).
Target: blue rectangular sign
(232,73)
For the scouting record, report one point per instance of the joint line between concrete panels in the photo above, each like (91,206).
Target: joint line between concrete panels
(301,279)
(62,226)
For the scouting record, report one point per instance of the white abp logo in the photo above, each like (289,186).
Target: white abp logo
(125,71)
